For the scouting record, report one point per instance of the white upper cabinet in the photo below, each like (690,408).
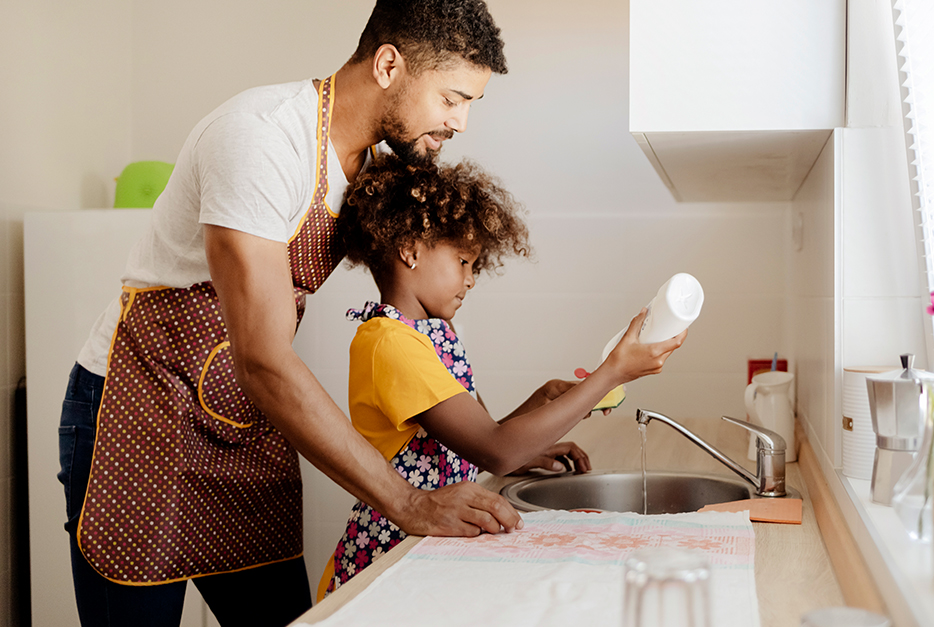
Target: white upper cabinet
(732,100)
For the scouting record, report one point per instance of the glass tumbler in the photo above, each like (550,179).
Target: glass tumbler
(666,587)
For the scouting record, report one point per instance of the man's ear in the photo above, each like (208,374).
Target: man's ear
(388,65)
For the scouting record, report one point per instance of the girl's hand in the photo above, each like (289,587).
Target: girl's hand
(558,457)
(632,359)
(548,392)
(555,388)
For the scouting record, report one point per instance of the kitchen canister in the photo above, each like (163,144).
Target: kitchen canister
(859,440)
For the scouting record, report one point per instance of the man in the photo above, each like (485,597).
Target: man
(195,428)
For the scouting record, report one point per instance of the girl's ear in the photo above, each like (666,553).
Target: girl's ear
(408,255)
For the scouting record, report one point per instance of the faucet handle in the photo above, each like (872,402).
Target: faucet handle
(765,438)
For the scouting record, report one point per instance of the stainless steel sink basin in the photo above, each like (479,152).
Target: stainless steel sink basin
(615,491)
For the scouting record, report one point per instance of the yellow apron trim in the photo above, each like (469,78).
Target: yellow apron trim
(143,584)
(154,288)
(318,151)
(131,296)
(326,578)
(97,422)
(204,372)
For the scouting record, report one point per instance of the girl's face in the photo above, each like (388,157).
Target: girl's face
(441,277)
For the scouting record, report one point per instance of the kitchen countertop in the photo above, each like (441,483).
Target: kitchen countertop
(793,571)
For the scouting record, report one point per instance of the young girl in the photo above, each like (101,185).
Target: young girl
(425,232)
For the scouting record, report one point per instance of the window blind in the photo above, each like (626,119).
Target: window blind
(914,34)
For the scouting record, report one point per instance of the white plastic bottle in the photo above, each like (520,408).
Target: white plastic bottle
(676,305)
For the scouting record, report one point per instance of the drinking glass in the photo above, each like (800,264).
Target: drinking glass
(666,587)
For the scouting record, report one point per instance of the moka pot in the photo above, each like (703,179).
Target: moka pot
(895,405)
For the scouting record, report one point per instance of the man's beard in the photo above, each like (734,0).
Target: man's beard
(394,133)
(407,151)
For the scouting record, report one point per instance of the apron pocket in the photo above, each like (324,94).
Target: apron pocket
(219,394)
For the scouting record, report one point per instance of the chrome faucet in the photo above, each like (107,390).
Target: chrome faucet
(769,479)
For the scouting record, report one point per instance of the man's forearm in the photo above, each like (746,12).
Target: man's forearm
(294,401)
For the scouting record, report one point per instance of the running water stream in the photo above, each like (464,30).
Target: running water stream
(645,493)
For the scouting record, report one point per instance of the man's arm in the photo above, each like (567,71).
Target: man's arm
(253,282)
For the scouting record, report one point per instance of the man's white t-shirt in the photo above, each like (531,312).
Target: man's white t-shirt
(250,166)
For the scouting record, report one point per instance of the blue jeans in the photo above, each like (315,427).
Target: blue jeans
(274,594)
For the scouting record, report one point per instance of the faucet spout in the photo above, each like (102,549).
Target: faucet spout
(769,479)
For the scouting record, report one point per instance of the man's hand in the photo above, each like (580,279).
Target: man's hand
(462,509)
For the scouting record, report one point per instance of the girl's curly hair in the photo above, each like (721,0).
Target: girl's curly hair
(392,204)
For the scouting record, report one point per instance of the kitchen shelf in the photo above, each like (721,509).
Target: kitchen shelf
(732,166)
(731,100)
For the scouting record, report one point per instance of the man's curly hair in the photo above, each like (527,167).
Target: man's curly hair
(392,205)
(428,32)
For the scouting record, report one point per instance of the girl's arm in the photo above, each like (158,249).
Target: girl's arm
(461,423)
(542,396)
(554,457)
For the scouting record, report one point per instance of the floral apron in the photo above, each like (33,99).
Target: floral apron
(424,462)
(188,477)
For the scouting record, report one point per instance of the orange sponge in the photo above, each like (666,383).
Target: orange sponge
(780,510)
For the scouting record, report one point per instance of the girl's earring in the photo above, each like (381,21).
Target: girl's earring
(412,267)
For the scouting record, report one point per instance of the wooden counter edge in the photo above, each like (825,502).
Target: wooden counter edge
(346,593)
(856,584)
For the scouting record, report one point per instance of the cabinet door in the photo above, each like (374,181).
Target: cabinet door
(733,100)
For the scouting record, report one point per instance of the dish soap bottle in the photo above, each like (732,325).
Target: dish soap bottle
(676,305)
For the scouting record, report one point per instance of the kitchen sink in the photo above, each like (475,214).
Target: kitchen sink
(617,491)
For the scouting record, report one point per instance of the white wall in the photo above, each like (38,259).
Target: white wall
(606,231)
(811,302)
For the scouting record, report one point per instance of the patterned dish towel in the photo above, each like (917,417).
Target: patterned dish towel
(563,568)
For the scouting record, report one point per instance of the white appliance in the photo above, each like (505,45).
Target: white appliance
(73,261)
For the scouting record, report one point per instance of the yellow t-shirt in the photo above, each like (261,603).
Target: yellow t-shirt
(395,374)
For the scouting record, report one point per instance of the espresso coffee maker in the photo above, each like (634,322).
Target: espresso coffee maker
(896,407)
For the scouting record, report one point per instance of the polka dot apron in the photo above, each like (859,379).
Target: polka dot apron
(188,477)
(424,462)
